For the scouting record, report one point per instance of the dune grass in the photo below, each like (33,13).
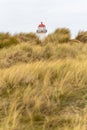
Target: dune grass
(82,36)
(59,36)
(7,40)
(44,95)
(43,84)
(27,53)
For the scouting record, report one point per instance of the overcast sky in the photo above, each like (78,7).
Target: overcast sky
(25,15)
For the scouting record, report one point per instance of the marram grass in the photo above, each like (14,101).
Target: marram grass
(27,53)
(44,95)
(43,84)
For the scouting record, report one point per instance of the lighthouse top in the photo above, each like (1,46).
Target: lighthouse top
(41,25)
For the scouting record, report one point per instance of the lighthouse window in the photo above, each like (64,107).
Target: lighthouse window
(40,28)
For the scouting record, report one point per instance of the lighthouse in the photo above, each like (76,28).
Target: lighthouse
(41,31)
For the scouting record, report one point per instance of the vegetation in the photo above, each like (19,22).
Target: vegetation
(7,40)
(82,36)
(29,37)
(61,35)
(43,84)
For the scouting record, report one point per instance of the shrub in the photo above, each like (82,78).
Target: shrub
(82,36)
(28,37)
(4,36)
(7,40)
(60,35)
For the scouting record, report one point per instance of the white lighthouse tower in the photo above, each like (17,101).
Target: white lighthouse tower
(41,31)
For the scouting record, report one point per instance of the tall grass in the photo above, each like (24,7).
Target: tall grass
(82,36)
(61,35)
(7,40)
(27,53)
(43,95)
(28,37)
(43,84)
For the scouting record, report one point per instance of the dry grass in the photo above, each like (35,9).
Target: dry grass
(27,53)
(7,40)
(43,94)
(61,35)
(82,36)
(43,86)
(28,37)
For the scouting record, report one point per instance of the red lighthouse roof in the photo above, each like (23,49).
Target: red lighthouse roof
(41,25)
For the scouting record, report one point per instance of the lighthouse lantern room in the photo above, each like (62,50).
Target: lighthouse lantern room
(41,31)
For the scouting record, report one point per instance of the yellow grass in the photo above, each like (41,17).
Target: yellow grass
(43,86)
(50,93)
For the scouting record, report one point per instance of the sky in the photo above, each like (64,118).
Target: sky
(25,15)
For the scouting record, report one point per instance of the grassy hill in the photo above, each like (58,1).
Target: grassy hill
(43,84)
